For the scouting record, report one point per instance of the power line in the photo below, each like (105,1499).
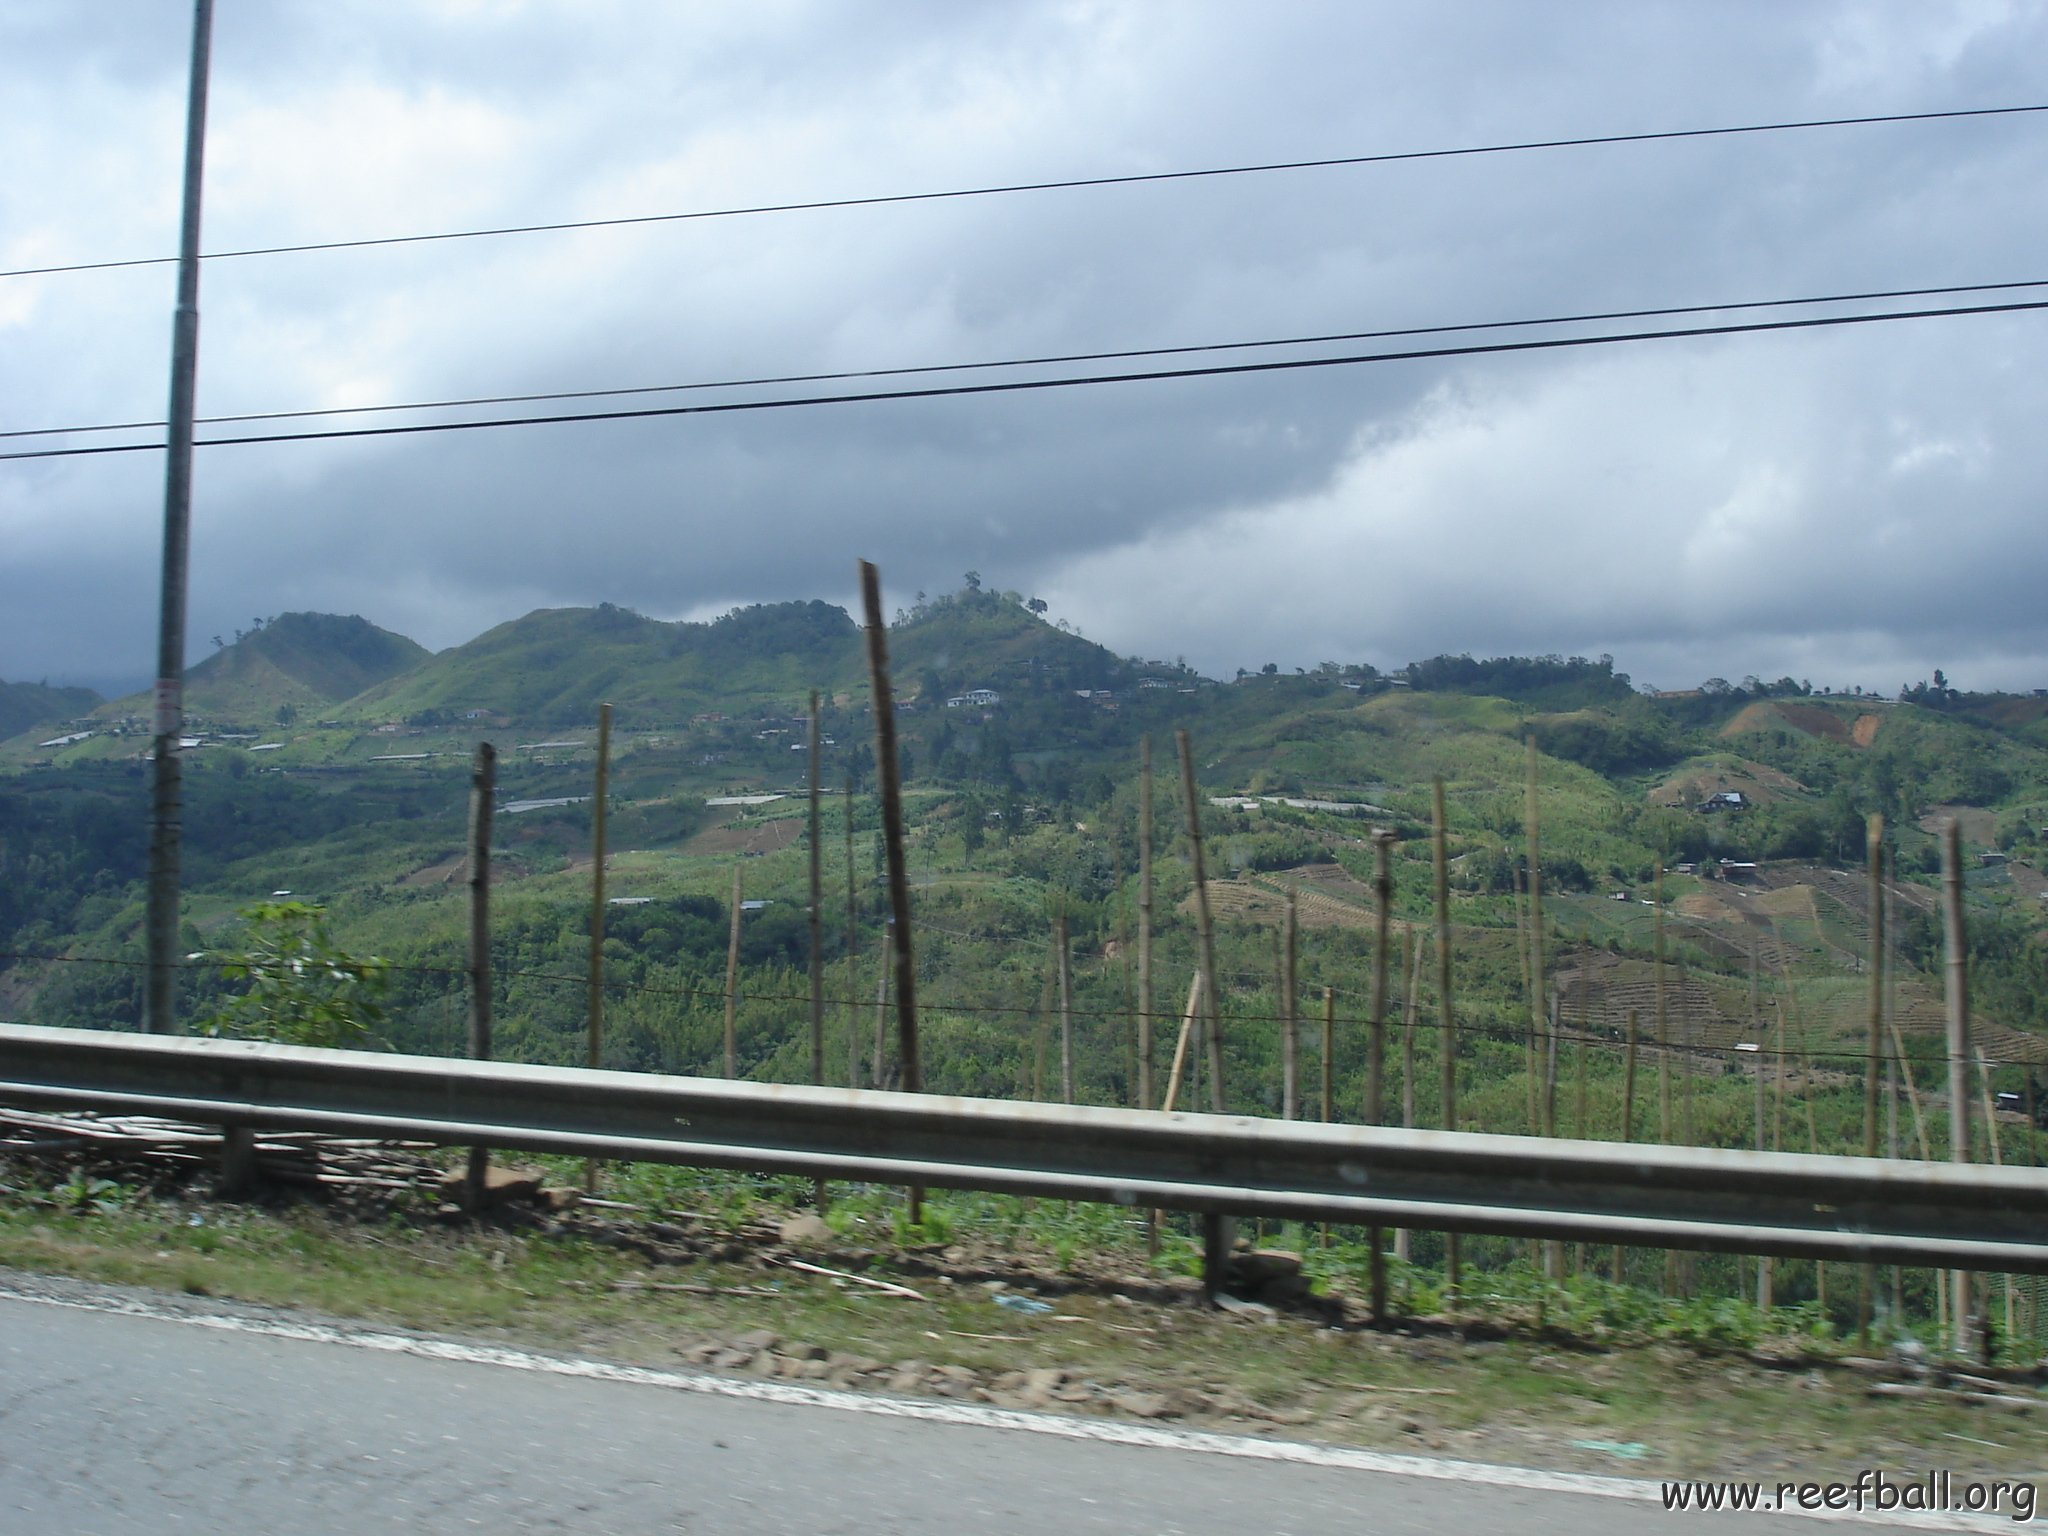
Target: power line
(1055,358)
(1019,386)
(1068,184)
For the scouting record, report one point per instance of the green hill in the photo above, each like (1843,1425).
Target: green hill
(298,663)
(24,706)
(556,665)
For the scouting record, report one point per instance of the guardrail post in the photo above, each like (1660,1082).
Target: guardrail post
(1216,1244)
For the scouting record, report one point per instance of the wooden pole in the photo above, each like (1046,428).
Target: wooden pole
(1146,1048)
(1958,996)
(482,786)
(1447,1049)
(595,1028)
(1211,1006)
(890,769)
(1290,1030)
(732,981)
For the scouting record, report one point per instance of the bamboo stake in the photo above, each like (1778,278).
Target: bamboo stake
(732,981)
(1891,1083)
(1767,1272)
(890,770)
(1663,1052)
(1663,1016)
(1537,992)
(1059,942)
(1874,851)
(1997,1161)
(1411,967)
(877,1066)
(1329,1054)
(817,910)
(816,924)
(1820,1267)
(1628,1112)
(1211,1004)
(1123,954)
(1628,1081)
(1290,1025)
(595,1027)
(1891,1133)
(1376,1024)
(1689,1060)
(1757,1033)
(1531,1073)
(852,960)
(1580,1114)
(1146,1047)
(1447,1051)
(1376,1039)
(1958,990)
(1041,1033)
(1180,1046)
(483,780)
(1912,1095)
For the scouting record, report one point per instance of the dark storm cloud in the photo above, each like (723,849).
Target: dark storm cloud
(1830,505)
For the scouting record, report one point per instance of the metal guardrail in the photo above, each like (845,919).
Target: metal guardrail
(1964,1216)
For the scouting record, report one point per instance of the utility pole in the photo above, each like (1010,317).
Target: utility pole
(167,800)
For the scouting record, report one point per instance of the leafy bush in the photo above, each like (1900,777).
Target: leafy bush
(302,989)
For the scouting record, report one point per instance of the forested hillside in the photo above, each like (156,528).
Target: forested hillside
(1725,828)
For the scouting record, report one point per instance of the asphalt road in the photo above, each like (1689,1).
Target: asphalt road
(122,1414)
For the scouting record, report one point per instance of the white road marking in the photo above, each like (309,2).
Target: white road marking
(980,1416)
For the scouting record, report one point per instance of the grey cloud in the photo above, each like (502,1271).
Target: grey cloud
(1703,506)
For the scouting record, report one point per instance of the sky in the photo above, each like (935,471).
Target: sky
(1856,506)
